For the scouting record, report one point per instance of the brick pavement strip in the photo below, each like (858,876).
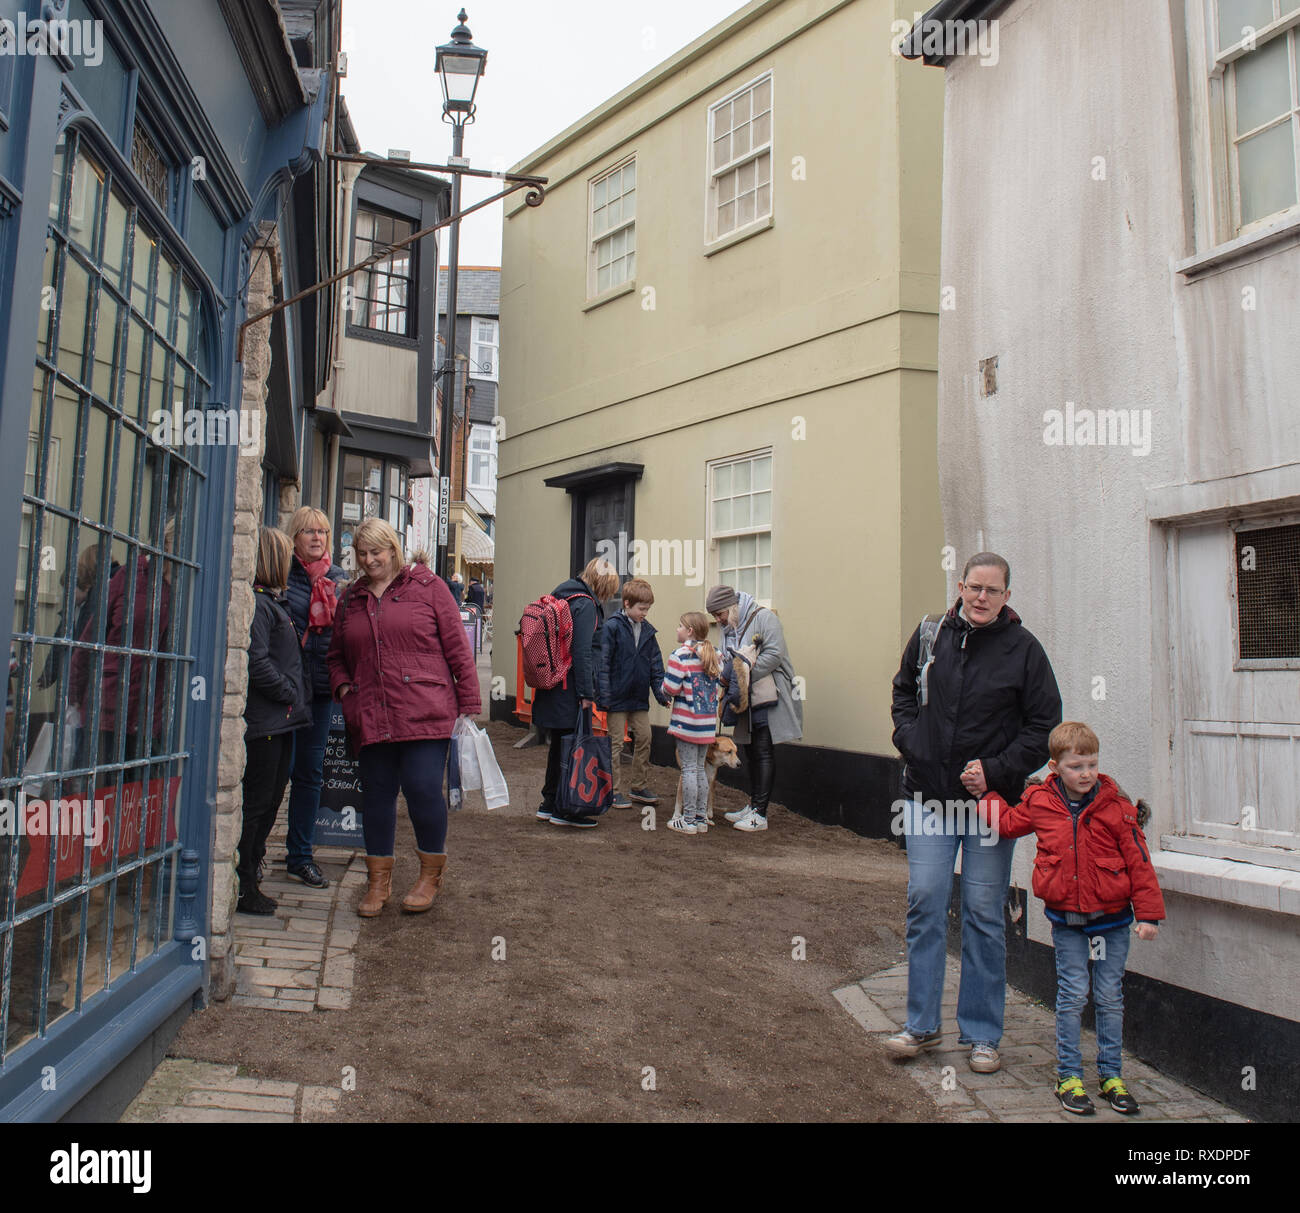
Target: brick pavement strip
(1023,1089)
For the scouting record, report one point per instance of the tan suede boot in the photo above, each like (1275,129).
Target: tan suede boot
(421,896)
(380,870)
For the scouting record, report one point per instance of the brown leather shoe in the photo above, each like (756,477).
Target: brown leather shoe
(380,870)
(421,896)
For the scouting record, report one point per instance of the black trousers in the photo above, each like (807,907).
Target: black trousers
(266,775)
(761,759)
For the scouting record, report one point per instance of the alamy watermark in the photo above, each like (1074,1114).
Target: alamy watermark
(655,557)
(208,427)
(942,819)
(83,40)
(73,818)
(948,38)
(1098,427)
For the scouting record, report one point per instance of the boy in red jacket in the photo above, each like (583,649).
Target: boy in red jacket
(1093,871)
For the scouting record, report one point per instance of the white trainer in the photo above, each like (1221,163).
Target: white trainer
(737,814)
(751,822)
(681,825)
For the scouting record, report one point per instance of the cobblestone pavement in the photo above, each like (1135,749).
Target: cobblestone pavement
(303,957)
(198,1091)
(1022,1090)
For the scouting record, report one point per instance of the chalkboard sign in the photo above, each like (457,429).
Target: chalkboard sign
(340,790)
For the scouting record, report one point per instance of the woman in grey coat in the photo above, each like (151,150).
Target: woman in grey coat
(758,730)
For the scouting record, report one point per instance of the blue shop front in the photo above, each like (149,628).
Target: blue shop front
(142,149)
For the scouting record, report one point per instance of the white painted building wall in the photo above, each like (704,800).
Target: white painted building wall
(1078,184)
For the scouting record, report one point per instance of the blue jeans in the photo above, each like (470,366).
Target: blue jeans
(695,781)
(304,793)
(418,768)
(1072,949)
(986,873)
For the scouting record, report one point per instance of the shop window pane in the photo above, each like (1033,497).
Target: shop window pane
(142,259)
(51,577)
(374,475)
(108,354)
(128,452)
(352,472)
(162,317)
(124,921)
(96,500)
(765,583)
(26,997)
(115,231)
(747,582)
(45,329)
(94,966)
(74,312)
(722,515)
(762,473)
(158,373)
(87,191)
(187,309)
(136,345)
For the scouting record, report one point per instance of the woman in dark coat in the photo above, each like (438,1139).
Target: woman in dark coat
(315,582)
(401,666)
(556,710)
(278,703)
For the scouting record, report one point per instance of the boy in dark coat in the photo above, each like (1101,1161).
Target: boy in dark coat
(629,667)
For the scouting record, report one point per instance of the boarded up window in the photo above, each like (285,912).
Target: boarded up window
(1268,593)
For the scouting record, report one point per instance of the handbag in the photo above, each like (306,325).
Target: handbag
(762,691)
(586,771)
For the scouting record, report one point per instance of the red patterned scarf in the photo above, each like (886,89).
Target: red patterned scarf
(324,596)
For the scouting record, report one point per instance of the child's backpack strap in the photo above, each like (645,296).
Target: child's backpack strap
(929,632)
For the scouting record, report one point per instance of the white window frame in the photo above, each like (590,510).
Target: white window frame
(715,536)
(624,225)
(1219,179)
(476,369)
(478,431)
(712,176)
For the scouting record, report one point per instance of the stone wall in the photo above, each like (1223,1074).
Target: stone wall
(239,618)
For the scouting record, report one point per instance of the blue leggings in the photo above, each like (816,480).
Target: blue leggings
(418,767)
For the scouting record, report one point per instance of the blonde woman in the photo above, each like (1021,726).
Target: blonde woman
(401,666)
(556,709)
(315,583)
(278,703)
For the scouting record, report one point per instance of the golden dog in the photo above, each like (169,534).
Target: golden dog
(722,753)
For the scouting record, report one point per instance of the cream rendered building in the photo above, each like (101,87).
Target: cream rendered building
(719,362)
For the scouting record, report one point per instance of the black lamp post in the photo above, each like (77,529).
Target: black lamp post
(460,65)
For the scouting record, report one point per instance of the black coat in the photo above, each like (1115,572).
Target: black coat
(558,707)
(626,673)
(298,595)
(279,698)
(992,696)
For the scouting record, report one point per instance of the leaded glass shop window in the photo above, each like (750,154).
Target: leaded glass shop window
(99,667)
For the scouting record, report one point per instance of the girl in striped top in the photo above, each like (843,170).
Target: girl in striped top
(691,682)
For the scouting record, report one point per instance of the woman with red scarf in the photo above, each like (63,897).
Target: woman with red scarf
(313,592)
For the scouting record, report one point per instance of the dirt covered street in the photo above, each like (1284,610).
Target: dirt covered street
(618,973)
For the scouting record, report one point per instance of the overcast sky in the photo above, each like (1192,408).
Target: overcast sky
(548,65)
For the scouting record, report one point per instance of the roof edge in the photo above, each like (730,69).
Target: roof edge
(612,105)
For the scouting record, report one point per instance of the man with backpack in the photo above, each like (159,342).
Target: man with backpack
(974,702)
(559,662)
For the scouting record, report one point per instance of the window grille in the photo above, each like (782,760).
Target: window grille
(99,667)
(1268,593)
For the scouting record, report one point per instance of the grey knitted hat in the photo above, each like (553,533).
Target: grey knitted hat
(720,598)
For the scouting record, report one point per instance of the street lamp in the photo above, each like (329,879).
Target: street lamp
(460,64)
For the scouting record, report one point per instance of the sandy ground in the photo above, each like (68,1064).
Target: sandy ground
(646,976)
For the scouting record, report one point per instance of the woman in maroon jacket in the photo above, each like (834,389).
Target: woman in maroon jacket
(401,666)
